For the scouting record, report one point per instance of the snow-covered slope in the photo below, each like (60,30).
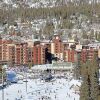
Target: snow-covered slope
(30,3)
(40,3)
(8,1)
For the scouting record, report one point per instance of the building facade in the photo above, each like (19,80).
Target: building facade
(40,52)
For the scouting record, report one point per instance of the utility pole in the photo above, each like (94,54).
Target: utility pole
(26,82)
(25,71)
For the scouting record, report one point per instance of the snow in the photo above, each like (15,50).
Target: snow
(40,3)
(59,89)
(31,3)
(7,1)
(74,82)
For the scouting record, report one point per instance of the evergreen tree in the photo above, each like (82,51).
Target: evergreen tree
(90,76)
(85,88)
(94,78)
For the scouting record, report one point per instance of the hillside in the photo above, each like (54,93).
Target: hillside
(76,18)
(43,3)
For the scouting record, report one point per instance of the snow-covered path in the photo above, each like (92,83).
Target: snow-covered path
(39,90)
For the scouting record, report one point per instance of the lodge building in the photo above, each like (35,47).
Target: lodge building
(37,52)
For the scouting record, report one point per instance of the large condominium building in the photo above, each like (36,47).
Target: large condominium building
(86,54)
(61,49)
(70,55)
(21,53)
(57,47)
(5,49)
(38,54)
(11,53)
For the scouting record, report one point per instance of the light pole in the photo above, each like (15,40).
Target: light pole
(26,82)
(25,71)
